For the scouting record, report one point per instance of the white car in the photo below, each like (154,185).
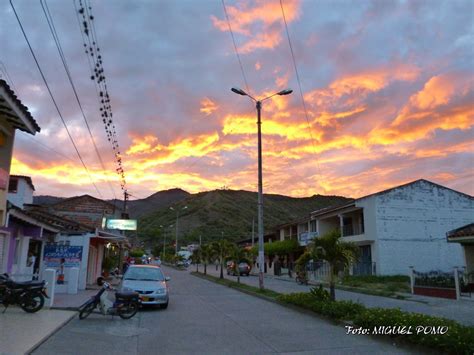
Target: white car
(150,283)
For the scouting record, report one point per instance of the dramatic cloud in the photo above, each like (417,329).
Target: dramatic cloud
(387,95)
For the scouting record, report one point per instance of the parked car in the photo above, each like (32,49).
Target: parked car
(150,283)
(244,268)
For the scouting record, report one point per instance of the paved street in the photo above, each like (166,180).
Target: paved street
(206,318)
(461,311)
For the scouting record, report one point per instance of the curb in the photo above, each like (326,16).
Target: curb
(55,330)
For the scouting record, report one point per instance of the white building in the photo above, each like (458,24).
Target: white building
(400,227)
(20,190)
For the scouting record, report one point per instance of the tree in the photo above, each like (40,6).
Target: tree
(196,258)
(237,254)
(221,250)
(337,253)
(207,254)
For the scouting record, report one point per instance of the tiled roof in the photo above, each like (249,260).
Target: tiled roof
(7,94)
(464,231)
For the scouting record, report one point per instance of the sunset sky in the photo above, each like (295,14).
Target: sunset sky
(388,88)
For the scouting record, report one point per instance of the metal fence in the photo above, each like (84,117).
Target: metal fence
(436,278)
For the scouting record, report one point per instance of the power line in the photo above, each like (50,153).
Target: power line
(235,47)
(52,98)
(299,84)
(3,69)
(52,28)
(92,50)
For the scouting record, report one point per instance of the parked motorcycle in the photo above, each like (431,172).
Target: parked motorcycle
(125,305)
(28,295)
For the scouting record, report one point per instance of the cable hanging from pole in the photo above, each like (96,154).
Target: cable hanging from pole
(53,99)
(52,29)
(92,51)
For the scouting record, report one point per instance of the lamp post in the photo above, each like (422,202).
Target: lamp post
(177,219)
(258,103)
(164,238)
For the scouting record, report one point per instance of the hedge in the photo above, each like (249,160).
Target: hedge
(337,309)
(458,339)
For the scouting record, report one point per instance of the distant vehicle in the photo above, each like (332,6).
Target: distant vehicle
(149,282)
(244,269)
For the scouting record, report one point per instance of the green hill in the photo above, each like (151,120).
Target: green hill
(226,213)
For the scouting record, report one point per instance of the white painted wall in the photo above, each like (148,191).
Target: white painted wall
(24,194)
(411,224)
(80,240)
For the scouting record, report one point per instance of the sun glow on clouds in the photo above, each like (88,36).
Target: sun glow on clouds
(207,106)
(259,22)
(384,118)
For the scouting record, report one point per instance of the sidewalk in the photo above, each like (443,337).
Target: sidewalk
(461,311)
(21,332)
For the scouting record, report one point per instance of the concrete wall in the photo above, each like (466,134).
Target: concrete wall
(411,225)
(80,240)
(24,194)
(7,137)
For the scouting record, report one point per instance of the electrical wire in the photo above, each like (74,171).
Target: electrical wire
(53,99)
(52,29)
(235,48)
(299,84)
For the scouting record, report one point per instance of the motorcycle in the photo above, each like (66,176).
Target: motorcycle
(29,295)
(125,305)
(301,278)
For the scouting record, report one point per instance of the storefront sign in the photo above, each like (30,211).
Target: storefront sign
(54,253)
(122,224)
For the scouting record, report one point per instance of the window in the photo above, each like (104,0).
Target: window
(13,186)
(312,226)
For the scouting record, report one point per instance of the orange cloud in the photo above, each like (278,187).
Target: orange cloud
(245,17)
(208,106)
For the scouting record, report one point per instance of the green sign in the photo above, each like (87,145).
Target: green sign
(122,224)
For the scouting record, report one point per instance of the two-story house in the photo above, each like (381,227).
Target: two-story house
(401,227)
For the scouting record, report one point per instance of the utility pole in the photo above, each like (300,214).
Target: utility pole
(200,241)
(253,230)
(261,258)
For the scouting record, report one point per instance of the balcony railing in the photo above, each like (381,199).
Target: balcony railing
(352,229)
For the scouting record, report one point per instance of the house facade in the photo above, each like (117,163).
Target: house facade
(464,235)
(99,243)
(13,115)
(400,227)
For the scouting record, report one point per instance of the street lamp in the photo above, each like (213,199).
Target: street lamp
(258,103)
(177,218)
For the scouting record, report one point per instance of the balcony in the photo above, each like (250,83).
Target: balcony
(352,229)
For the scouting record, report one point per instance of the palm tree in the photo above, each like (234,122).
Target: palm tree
(237,254)
(337,253)
(196,258)
(206,256)
(221,249)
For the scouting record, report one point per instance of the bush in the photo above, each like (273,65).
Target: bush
(332,309)
(458,339)
(320,293)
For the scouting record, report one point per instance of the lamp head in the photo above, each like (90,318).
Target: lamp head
(285,92)
(239,91)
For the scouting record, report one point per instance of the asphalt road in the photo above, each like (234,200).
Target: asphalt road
(206,318)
